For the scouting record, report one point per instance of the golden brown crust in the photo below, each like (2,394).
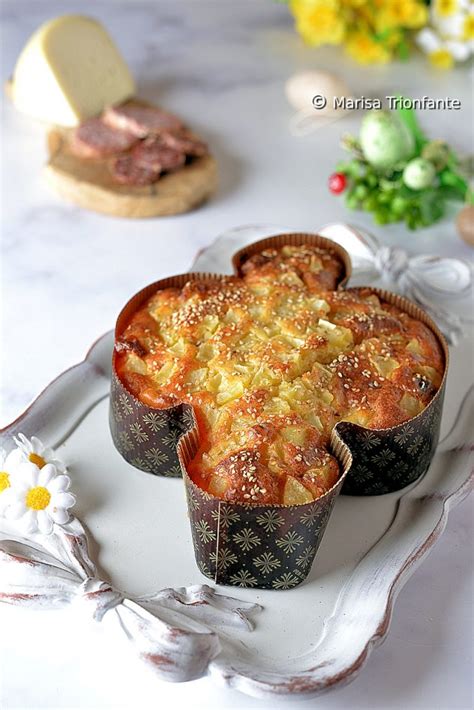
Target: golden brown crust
(271,362)
(319,269)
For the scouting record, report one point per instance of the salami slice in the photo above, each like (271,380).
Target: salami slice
(94,139)
(154,154)
(185,142)
(127,171)
(140,120)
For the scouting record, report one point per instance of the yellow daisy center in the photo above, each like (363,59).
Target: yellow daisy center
(38,498)
(38,460)
(4,481)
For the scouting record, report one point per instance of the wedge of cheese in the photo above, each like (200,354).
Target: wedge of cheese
(69,71)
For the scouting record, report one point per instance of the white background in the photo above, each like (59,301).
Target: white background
(66,274)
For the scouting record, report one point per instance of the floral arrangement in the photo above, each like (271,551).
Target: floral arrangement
(34,487)
(377,31)
(398,173)
(449,35)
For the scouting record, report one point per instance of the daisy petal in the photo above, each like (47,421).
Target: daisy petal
(5,499)
(63,500)
(61,467)
(3,507)
(428,40)
(60,483)
(22,442)
(19,487)
(45,524)
(60,516)
(27,474)
(37,446)
(459,50)
(14,459)
(449,27)
(29,522)
(48,454)
(16,510)
(46,474)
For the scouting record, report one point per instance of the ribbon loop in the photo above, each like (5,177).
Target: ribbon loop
(392,261)
(101,595)
(442,275)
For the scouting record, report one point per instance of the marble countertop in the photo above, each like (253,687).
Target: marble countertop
(67,272)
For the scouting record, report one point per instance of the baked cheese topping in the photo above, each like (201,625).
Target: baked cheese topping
(271,362)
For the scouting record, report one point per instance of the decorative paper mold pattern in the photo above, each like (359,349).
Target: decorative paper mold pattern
(258,547)
(270,546)
(147,438)
(265,546)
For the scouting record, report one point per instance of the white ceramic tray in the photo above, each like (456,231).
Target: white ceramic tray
(305,640)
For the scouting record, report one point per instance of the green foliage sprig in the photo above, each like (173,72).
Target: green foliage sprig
(395,192)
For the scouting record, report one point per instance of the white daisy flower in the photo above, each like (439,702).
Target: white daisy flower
(450,38)
(459,50)
(449,27)
(39,497)
(36,452)
(428,40)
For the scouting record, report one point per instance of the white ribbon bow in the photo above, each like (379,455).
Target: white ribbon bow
(176,631)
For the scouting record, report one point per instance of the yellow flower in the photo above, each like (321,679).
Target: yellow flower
(319,21)
(363,48)
(468,28)
(442,59)
(418,16)
(401,13)
(445,8)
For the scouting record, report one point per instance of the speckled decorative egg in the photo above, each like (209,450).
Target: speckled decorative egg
(465,224)
(301,89)
(385,140)
(419,174)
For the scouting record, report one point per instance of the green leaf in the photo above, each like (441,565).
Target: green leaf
(449,192)
(343,167)
(403,50)
(458,186)
(382,35)
(429,207)
(409,118)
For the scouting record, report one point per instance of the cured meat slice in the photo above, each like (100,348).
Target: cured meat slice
(154,154)
(141,120)
(94,139)
(185,142)
(127,171)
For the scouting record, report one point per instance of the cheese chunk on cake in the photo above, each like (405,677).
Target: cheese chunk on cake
(271,362)
(69,71)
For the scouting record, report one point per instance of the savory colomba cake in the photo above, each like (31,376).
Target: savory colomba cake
(270,362)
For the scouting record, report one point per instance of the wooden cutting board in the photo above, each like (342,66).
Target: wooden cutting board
(89,183)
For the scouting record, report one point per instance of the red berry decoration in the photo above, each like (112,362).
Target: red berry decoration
(337,183)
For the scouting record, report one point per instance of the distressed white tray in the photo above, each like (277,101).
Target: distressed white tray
(308,639)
